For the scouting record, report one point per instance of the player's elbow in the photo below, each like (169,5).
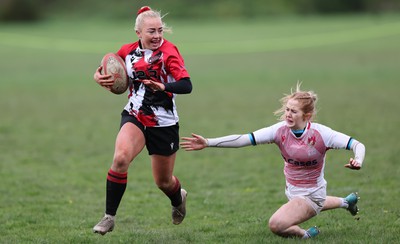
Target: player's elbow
(188,86)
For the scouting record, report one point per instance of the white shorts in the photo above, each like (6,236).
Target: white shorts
(315,196)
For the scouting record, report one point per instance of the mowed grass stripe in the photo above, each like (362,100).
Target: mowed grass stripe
(56,44)
(218,47)
(294,42)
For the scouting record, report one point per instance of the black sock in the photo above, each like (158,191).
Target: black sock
(116,185)
(175,195)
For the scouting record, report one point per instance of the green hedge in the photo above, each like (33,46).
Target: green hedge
(19,10)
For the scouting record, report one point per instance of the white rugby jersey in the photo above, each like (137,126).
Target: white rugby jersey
(304,156)
(166,65)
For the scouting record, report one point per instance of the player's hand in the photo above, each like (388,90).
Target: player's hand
(196,142)
(105,81)
(353,164)
(153,85)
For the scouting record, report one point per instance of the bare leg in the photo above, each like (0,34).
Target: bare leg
(129,143)
(163,167)
(332,203)
(284,222)
(349,203)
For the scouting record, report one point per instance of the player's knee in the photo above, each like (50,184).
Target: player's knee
(121,161)
(275,226)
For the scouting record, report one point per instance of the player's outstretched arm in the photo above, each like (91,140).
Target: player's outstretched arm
(196,142)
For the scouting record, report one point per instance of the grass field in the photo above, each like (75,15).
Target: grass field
(57,129)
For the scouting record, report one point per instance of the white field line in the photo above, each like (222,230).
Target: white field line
(196,48)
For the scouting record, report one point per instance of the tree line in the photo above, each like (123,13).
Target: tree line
(33,10)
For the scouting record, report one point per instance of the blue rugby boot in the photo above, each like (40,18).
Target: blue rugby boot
(312,232)
(352,200)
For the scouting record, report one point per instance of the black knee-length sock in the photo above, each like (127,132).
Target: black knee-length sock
(116,185)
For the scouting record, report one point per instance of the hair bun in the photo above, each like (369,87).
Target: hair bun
(143,9)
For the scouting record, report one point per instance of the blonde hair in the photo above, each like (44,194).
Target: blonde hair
(306,99)
(150,13)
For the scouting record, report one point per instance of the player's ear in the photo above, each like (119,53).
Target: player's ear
(307,116)
(138,34)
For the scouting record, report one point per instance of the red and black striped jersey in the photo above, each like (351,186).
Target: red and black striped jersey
(166,65)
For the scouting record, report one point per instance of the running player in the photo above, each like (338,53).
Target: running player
(303,145)
(157,73)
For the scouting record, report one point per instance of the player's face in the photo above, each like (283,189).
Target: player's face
(151,33)
(294,116)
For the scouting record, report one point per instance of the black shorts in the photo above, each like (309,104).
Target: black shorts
(159,140)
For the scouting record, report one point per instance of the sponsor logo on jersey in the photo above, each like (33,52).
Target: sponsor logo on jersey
(299,163)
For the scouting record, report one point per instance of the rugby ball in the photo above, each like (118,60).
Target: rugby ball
(115,66)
